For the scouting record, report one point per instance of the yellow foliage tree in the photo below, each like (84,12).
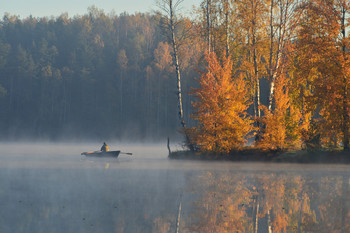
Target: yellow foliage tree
(282,125)
(220,109)
(322,57)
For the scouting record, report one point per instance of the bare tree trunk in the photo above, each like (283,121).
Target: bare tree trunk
(170,10)
(257,94)
(275,65)
(168,145)
(345,91)
(256,70)
(208,24)
(272,81)
(177,66)
(255,107)
(226,7)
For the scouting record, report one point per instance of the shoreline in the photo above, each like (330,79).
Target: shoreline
(253,155)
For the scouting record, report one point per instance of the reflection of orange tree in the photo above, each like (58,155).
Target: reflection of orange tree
(161,225)
(265,202)
(244,203)
(222,206)
(283,202)
(333,211)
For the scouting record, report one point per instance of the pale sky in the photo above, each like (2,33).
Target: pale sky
(41,8)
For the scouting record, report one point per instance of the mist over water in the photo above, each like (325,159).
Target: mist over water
(50,187)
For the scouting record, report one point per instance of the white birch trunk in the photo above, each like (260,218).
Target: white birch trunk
(255,61)
(177,66)
(174,43)
(226,7)
(208,24)
(274,66)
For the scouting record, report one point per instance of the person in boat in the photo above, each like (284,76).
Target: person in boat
(105,147)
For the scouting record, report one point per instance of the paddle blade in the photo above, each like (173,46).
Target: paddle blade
(124,153)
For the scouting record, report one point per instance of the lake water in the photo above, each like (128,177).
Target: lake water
(52,188)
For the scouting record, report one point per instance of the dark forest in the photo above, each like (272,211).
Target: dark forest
(91,76)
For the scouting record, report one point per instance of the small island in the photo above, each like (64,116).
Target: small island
(295,126)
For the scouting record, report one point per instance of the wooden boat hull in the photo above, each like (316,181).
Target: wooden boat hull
(113,154)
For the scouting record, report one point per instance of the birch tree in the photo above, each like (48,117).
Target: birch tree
(282,21)
(175,32)
(251,16)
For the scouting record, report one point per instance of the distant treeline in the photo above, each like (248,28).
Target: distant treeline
(90,76)
(274,71)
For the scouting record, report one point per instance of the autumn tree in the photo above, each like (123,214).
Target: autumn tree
(283,125)
(323,66)
(283,19)
(220,108)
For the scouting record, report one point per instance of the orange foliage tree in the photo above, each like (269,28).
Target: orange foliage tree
(220,109)
(282,125)
(323,67)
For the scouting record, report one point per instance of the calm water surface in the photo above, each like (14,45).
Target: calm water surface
(52,188)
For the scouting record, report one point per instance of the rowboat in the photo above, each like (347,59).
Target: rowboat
(113,154)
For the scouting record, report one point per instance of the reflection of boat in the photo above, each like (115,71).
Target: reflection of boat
(114,154)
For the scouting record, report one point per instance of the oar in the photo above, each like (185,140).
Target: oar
(124,153)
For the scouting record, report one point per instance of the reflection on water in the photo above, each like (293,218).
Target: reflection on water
(143,193)
(269,202)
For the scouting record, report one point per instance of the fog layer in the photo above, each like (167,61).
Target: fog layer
(52,188)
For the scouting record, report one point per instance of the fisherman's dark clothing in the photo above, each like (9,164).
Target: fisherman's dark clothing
(105,147)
